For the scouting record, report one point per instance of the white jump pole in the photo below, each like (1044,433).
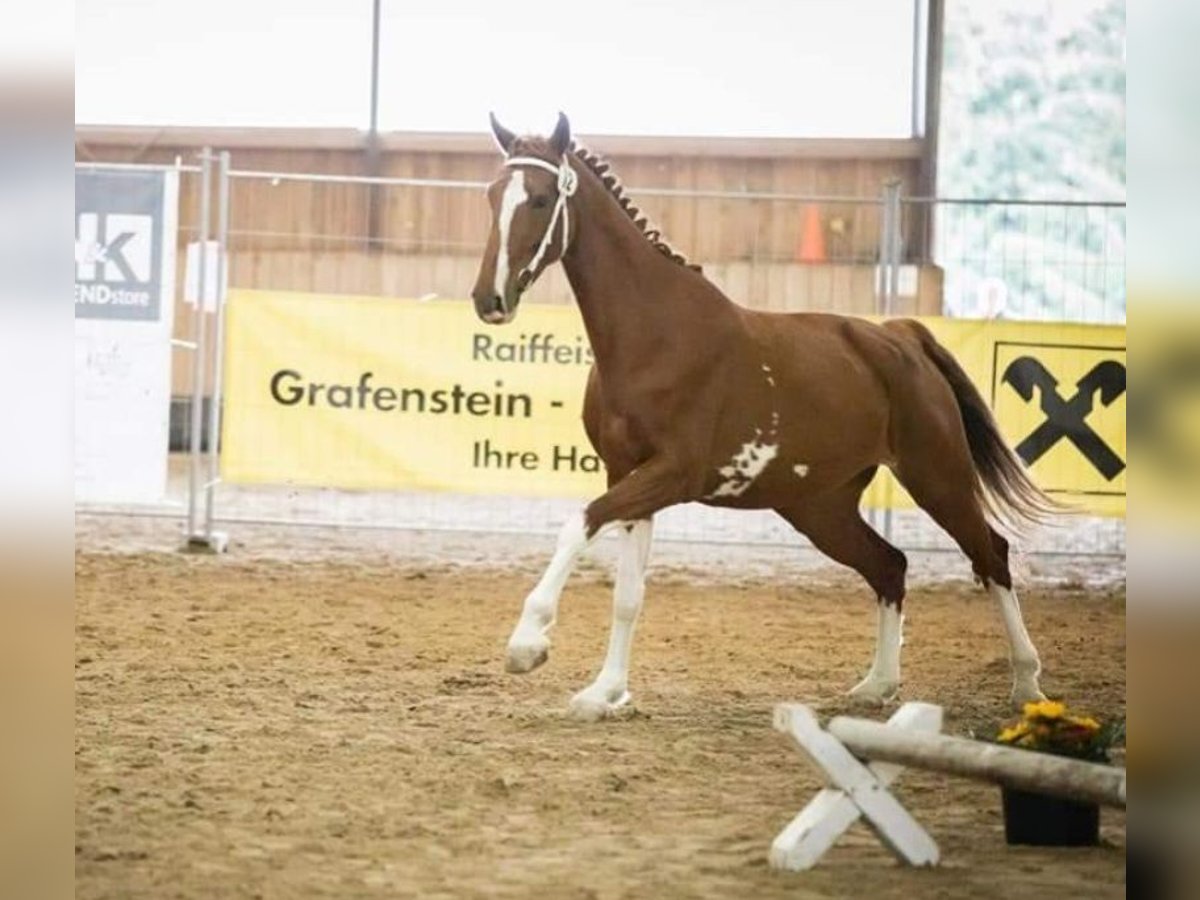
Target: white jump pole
(1010,766)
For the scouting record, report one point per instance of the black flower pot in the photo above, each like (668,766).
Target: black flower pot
(1043,821)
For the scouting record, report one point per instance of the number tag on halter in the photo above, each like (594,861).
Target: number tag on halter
(568,180)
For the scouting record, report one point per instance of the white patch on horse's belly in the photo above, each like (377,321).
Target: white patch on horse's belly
(800,469)
(745,467)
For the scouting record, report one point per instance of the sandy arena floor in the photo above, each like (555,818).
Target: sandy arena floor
(267,727)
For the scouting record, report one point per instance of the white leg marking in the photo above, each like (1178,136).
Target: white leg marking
(514,195)
(610,689)
(883,679)
(529,647)
(1026,665)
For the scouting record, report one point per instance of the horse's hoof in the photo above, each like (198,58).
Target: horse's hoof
(523,658)
(1026,693)
(874,691)
(591,705)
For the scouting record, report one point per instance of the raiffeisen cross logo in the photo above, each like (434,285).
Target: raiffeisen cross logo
(1063,406)
(1066,418)
(113,259)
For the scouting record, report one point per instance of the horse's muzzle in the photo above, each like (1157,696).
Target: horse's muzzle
(489,306)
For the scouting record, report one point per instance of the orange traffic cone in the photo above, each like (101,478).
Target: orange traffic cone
(812,237)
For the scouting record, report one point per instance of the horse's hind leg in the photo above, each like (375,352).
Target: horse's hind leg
(1026,664)
(946,490)
(836,528)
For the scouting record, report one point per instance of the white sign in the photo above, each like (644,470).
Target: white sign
(125,233)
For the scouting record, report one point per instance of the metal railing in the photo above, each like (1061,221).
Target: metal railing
(1024,259)
(996,258)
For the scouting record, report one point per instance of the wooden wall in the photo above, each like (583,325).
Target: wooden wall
(289,215)
(312,236)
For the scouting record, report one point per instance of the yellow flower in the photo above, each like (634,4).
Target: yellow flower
(1045,709)
(1084,722)
(1012,733)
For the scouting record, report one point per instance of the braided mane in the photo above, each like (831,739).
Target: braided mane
(601,169)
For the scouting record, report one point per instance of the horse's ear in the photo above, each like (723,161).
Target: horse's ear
(561,139)
(504,137)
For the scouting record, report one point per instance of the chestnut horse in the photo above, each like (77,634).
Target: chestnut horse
(694,398)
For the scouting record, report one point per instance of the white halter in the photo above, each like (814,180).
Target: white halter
(568,181)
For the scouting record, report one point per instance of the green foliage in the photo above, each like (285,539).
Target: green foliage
(1033,100)
(1033,108)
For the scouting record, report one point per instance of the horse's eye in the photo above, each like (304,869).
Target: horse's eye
(540,202)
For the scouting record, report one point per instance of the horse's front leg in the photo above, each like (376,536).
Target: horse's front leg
(635,497)
(529,646)
(610,691)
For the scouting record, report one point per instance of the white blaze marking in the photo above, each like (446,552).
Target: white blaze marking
(514,195)
(800,469)
(745,467)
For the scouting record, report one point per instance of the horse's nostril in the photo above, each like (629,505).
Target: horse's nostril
(491,308)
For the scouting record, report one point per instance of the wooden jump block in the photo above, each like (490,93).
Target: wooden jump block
(859,759)
(855,790)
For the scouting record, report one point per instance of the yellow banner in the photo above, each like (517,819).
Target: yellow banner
(1058,393)
(377,393)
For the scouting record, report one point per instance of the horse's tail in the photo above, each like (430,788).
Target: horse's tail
(1005,488)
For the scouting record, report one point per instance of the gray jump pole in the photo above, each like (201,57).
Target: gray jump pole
(1009,766)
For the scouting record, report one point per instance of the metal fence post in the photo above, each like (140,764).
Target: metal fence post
(216,540)
(885,230)
(199,327)
(202,537)
(887,292)
(892,240)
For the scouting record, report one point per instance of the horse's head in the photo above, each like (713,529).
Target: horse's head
(531,221)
